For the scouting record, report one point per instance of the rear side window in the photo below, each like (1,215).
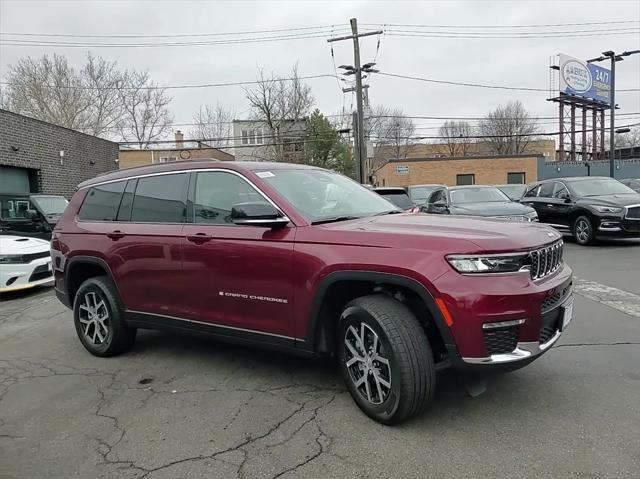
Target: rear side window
(101,202)
(160,199)
(546,190)
(532,192)
(124,213)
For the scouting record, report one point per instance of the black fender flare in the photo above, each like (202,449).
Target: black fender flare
(93,260)
(376,277)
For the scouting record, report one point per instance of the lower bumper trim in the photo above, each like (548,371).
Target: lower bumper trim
(523,350)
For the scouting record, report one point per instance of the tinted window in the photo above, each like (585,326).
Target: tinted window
(398,198)
(465,179)
(531,193)
(160,199)
(215,194)
(439,195)
(514,192)
(101,202)
(560,191)
(14,208)
(546,190)
(124,213)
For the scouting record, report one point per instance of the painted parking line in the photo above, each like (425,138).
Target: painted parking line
(623,301)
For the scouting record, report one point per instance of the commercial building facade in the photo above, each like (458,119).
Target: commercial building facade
(254,141)
(182,150)
(39,157)
(459,170)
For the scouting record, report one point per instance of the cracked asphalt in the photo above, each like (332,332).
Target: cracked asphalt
(188,407)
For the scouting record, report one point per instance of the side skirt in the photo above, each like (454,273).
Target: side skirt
(227,334)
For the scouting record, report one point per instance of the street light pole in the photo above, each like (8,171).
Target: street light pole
(612,122)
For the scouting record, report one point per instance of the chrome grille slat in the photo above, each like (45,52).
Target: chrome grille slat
(545,261)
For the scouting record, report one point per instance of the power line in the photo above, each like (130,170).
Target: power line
(174,35)
(537,36)
(539,25)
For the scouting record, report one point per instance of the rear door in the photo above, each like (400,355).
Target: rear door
(559,206)
(239,277)
(143,247)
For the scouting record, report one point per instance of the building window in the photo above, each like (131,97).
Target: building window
(252,137)
(245,137)
(518,178)
(468,179)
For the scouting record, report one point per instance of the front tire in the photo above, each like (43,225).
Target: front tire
(99,320)
(385,359)
(583,231)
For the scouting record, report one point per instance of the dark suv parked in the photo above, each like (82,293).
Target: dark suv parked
(30,215)
(308,261)
(586,207)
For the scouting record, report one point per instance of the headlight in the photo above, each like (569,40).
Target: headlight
(606,209)
(533,216)
(10,259)
(488,264)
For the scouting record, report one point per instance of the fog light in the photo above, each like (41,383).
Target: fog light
(503,324)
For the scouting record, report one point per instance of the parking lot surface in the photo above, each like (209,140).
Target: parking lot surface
(185,407)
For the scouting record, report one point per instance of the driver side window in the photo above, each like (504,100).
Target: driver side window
(216,192)
(439,195)
(560,191)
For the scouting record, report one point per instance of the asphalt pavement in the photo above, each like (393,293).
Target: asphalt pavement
(187,407)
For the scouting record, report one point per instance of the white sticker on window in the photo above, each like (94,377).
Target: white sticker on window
(265,174)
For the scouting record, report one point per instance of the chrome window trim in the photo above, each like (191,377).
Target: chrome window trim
(192,170)
(216,325)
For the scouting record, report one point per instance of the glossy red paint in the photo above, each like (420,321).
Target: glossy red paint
(266,280)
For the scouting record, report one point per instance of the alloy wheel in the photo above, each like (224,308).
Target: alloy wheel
(369,369)
(94,319)
(582,230)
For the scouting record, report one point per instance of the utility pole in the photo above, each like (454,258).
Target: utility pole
(612,122)
(360,147)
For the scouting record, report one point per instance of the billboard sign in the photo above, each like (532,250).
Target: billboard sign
(586,80)
(402,169)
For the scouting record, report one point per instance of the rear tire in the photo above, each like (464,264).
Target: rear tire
(385,359)
(99,320)
(583,231)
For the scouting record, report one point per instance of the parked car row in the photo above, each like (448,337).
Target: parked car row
(585,207)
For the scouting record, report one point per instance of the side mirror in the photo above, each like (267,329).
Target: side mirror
(258,214)
(441,205)
(566,199)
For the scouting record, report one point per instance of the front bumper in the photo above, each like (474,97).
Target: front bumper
(529,309)
(14,277)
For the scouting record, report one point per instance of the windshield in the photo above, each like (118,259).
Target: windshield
(600,186)
(51,205)
(398,198)
(513,191)
(477,195)
(419,194)
(319,194)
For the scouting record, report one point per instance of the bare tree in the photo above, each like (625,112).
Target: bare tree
(456,136)
(281,104)
(392,134)
(49,89)
(146,116)
(509,128)
(630,139)
(214,123)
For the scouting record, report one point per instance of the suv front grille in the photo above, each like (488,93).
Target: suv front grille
(551,301)
(633,212)
(501,341)
(545,261)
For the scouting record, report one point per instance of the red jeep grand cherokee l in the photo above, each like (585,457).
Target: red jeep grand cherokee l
(306,260)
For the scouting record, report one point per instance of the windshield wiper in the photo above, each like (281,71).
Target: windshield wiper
(334,219)
(390,212)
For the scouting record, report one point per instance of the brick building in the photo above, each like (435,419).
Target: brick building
(459,170)
(39,157)
(182,150)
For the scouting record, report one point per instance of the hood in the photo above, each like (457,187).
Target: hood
(22,245)
(611,200)
(492,208)
(447,233)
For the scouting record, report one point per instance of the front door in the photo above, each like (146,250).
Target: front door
(239,276)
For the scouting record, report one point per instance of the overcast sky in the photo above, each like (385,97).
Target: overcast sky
(521,62)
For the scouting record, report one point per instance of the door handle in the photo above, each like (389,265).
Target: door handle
(115,235)
(199,238)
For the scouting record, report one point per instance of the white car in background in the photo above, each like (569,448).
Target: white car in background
(24,263)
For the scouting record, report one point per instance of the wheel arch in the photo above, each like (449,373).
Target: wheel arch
(338,288)
(80,268)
